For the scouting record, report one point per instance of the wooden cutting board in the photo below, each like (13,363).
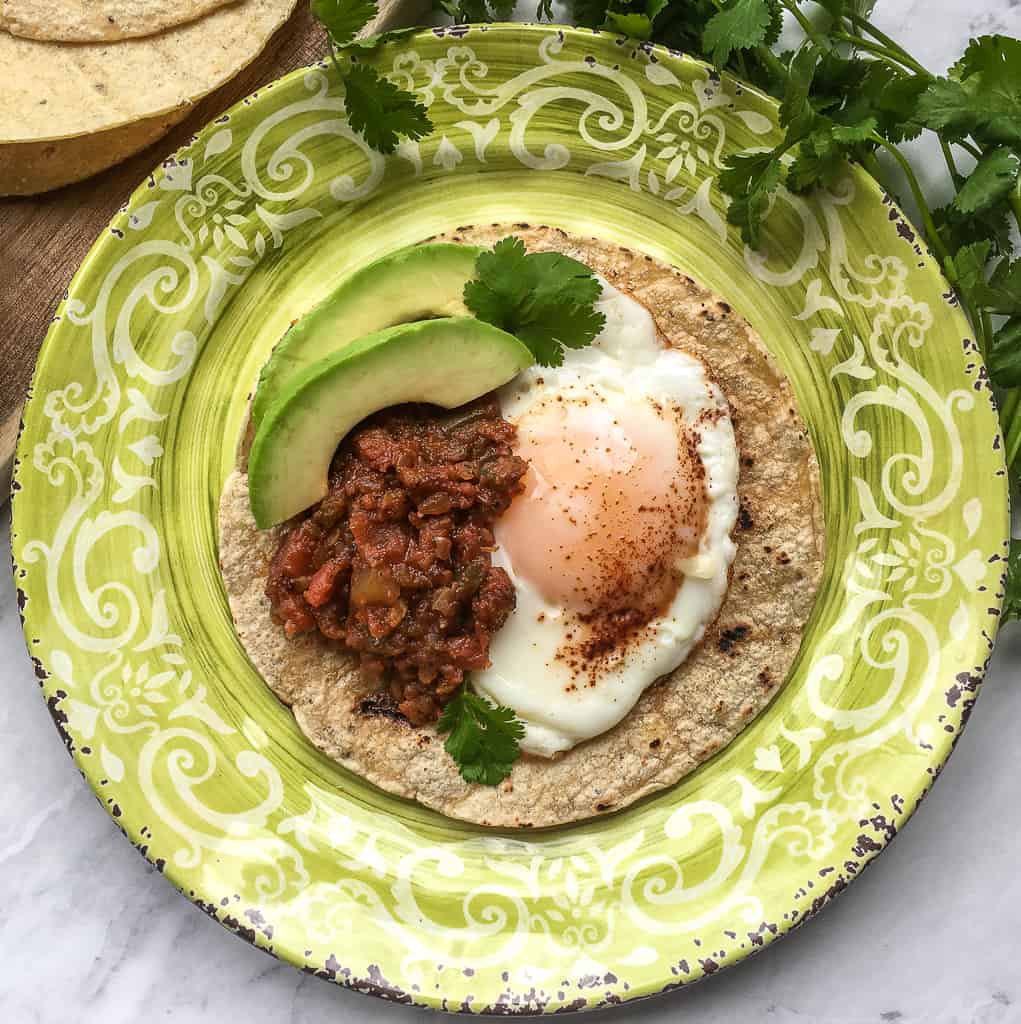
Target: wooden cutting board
(44,238)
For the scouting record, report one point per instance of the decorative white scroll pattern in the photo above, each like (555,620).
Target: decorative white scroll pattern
(610,905)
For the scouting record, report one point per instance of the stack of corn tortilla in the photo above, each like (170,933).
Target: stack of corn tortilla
(87,83)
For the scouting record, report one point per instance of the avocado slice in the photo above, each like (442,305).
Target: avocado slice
(445,362)
(417,283)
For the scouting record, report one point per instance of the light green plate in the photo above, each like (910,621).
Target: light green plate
(130,431)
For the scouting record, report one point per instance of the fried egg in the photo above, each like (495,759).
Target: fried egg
(620,546)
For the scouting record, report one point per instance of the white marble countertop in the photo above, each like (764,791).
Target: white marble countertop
(89,932)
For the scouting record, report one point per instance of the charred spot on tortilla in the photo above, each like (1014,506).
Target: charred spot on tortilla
(382,705)
(736,646)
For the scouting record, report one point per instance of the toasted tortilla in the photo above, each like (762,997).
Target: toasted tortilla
(680,721)
(59,90)
(73,109)
(86,21)
(28,168)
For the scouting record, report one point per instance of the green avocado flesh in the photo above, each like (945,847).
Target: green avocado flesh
(444,362)
(417,283)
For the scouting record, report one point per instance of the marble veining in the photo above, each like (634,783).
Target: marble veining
(91,933)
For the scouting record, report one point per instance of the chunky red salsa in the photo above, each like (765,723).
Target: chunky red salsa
(395,562)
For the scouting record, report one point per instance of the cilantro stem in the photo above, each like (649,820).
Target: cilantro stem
(970,148)
(948,155)
(806,26)
(871,164)
(877,50)
(892,45)
(771,61)
(986,324)
(336,61)
(978,323)
(1010,418)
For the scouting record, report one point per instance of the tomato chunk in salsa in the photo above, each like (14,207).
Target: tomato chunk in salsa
(395,562)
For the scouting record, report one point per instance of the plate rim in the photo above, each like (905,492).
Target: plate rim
(366,986)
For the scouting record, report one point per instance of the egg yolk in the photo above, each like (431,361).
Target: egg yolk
(614,499)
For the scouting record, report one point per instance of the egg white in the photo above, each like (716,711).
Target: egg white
(626,362)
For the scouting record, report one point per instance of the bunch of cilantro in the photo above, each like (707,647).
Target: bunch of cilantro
(848,92)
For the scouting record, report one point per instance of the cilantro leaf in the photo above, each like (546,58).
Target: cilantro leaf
(452,9)
(632,18)
(381,111)
(836,79)
(969,266)
(483,738)
(678,26)
(835,108)
(377,108)
(947,106)
(1012,598)
(822,156)
(1002,294)
(852,90)
(959,110)
(589,13)
(749,179)
(741,25)
(848,134)
(820,161)
(843,8)
(895,103)
(546,299)
(1005,355)
(996,57)
(484,11)
(344,19)
(377,39)
(796,111)
(971,262)
(634,25)
(958,230)
(500,282)
(992,179)
(982,98)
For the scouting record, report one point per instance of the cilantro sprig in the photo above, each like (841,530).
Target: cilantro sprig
(344,19)
(547,300)
(382,112)
(483,738)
